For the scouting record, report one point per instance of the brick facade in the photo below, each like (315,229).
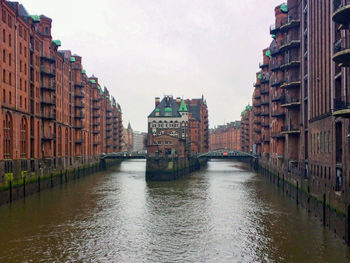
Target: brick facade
(48,103)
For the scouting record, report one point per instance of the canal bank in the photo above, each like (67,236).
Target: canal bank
(18,186)
(327,207)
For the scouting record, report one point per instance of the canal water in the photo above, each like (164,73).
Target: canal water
(222,213)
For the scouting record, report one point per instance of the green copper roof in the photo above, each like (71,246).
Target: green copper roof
(57,42)
(273,36)
(183,107)
(72,59)
(35,18)
(248,107)
(118,110)
(157,110)
(107,97)
(259,76)
(93,81)
(268,53)
(83,71)
(284,8)
(168,109)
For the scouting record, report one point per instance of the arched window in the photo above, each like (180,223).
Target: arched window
(66,142)
(59,141)
(8,136)
(24,138)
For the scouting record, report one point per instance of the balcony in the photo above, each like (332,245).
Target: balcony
(48,87)
(277,135)
(276,82)
(79,141)
(256,104)
(290,129)
(79,126)
(79,115)
(49,137)
(277,113)
(265,79)
(48,58)
(79,104)
(288,102)
(50,72)
(275,65)
(265,124)
(79,85)
(48,101)
(265,101)
(290,63)
(273,29)
(265,138)
(289,43)
(275,98)
(257,130)
(342,107)
(292,21)
(48,116)
(342,52)
(256,95)
(291,82)
(275,51)
(79,95)
(264,90)
(263,65)
(341,13)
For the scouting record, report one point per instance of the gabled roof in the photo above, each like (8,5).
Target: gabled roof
(167,105)
(183,107)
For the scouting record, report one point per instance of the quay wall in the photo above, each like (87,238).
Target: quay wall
(329,209)
(21,183)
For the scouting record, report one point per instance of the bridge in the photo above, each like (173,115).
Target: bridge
(217,154)
(227,154)
(123,155)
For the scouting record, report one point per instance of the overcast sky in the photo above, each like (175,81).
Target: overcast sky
(141,49)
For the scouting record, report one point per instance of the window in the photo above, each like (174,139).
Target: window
(20,84)
(329,141)
(20,66)
(25,68)
(23,138)
(9,39)
(20,101)
(10,76)
(3,16)
(10,59)
(3,36)
(20,48)
(9,21)
(159,143)
(4,56)
(25,51)
(4,76)
(4,96)
(10,97)
(8,136)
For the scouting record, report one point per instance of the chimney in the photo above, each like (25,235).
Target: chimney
(178,100)
(157,101)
